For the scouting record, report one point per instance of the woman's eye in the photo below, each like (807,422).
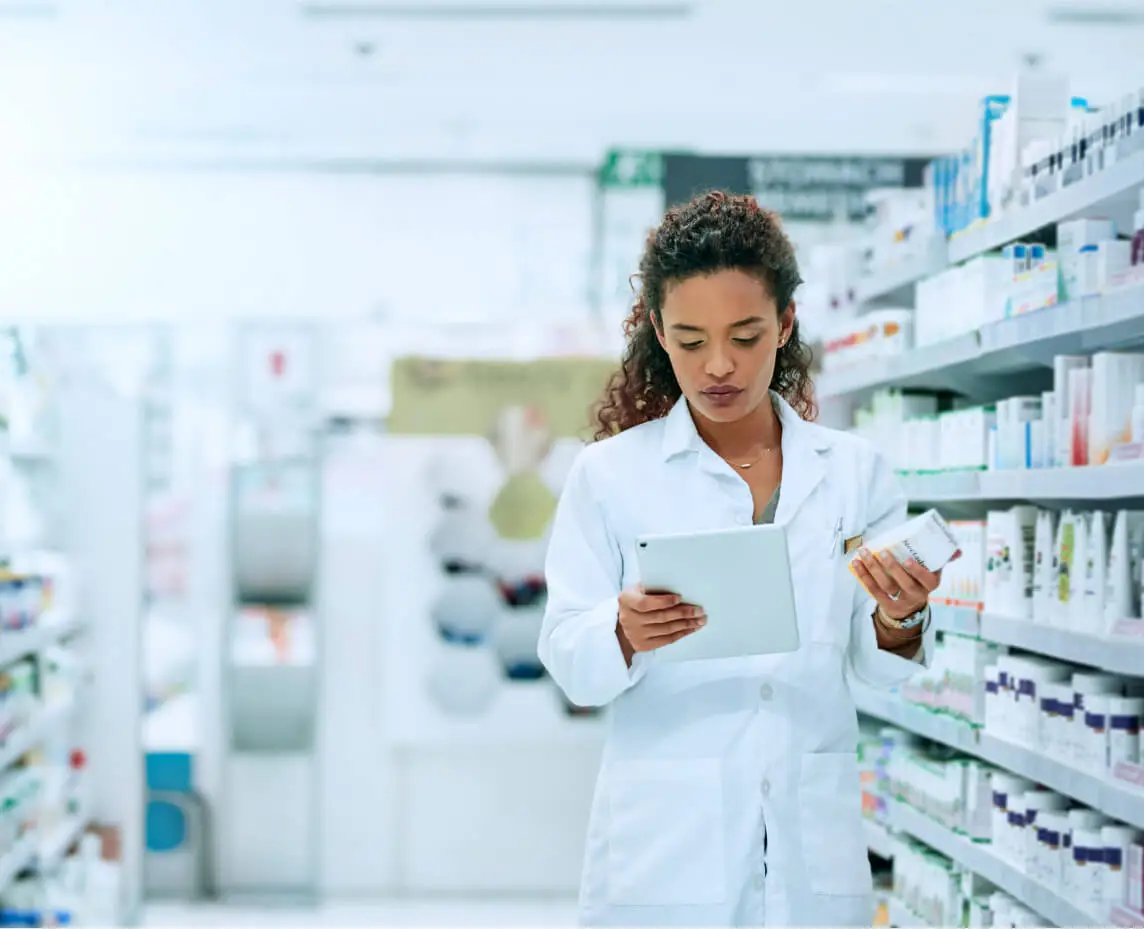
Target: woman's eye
(690,346)
(749,341)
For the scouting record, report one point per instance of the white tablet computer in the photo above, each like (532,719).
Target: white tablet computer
(740,576)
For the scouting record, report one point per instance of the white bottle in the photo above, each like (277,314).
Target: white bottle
(1138,415)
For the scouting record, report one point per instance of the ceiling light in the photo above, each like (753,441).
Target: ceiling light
(27,9)
(1102,14)
(498,9)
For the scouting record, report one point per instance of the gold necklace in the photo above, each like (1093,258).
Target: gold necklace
(755,461)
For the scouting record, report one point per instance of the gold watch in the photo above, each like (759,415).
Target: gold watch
(920,618)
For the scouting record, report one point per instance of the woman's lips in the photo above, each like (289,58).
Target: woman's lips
(722,396)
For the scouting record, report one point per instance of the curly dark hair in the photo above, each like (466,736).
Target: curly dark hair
(714,232)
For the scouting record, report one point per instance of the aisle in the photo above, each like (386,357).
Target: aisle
(452,912)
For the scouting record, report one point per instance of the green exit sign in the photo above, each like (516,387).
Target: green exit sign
(631,168)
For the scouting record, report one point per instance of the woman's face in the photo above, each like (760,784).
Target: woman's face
(722,332)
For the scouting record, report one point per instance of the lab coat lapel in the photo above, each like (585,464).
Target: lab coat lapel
(806,448)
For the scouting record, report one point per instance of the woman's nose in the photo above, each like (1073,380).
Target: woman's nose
(719,364)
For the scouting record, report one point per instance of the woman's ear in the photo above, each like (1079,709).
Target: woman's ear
(786,324)
(657,326)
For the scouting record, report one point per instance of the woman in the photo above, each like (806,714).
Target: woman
(728,792)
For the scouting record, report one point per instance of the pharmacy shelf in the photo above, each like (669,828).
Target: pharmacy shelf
(878,839)
(980,859)
(1123,916)
(976,362)
(1124,802)
(57,844)
(1118,654)
(1101,482)
(44,723)
(934,726)
(1113,188)
(895,284)
(21,643)
(19,858)
(1060,486)
(901,915)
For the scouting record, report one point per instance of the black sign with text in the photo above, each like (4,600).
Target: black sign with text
(810,187)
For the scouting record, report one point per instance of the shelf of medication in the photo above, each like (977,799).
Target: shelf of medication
(1120,800)
(45,721)
(898,913)
(1095,483)
(1115,184)
(20,857)
(1025,342)
(1117,653)
(895,283)
(54,847)
(980,859)
(878,839)
(52,627)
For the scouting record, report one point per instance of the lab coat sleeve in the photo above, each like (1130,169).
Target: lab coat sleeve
(584,572)
(886,508)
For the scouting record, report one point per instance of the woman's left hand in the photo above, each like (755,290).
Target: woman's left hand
(901,588)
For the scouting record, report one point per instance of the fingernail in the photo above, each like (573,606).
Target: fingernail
(701,621)
(864,553)
(887,558)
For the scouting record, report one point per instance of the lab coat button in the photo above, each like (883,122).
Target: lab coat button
(766,788)
(766,692)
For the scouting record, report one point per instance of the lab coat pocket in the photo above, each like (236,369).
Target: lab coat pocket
(830,813)
(666,833)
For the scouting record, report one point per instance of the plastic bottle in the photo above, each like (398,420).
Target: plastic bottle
(1138,415)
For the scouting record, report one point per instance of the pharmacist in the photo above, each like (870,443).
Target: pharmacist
(728,792)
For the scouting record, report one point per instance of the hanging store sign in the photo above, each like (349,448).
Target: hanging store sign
(798,187)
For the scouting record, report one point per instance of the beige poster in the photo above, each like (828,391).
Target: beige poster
(451,397)
(522,408)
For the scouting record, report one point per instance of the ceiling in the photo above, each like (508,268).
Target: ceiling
(544,81)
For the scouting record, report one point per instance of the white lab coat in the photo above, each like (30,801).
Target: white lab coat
(703,759)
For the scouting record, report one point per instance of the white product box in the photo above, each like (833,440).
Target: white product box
(1117,842)
(1114,379)
(1135,869)
(1072,236)
(1010,538)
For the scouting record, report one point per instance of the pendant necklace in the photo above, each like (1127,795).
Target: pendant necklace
(755,461)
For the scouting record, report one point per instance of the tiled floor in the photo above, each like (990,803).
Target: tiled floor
(438,912)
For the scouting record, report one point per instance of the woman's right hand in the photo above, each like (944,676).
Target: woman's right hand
(650,621)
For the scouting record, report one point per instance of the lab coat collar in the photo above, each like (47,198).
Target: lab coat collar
(680,434)
(805,447)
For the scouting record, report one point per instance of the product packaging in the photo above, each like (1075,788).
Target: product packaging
(1122,583)
(1138,415)
(1044,564)
(1010,553)
(1090,618)
(926,538)
(1080,406)
(1063,365)
(1088,739)
(1114,378)
(1135,869)
(1117,841)
(1124,719)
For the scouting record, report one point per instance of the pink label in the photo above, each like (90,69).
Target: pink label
(1129,451)
(1129,628)
(1129,773)
(1122,916)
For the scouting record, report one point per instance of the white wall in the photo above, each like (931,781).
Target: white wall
(102,247)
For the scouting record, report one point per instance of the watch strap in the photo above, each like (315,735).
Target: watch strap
(919,618)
